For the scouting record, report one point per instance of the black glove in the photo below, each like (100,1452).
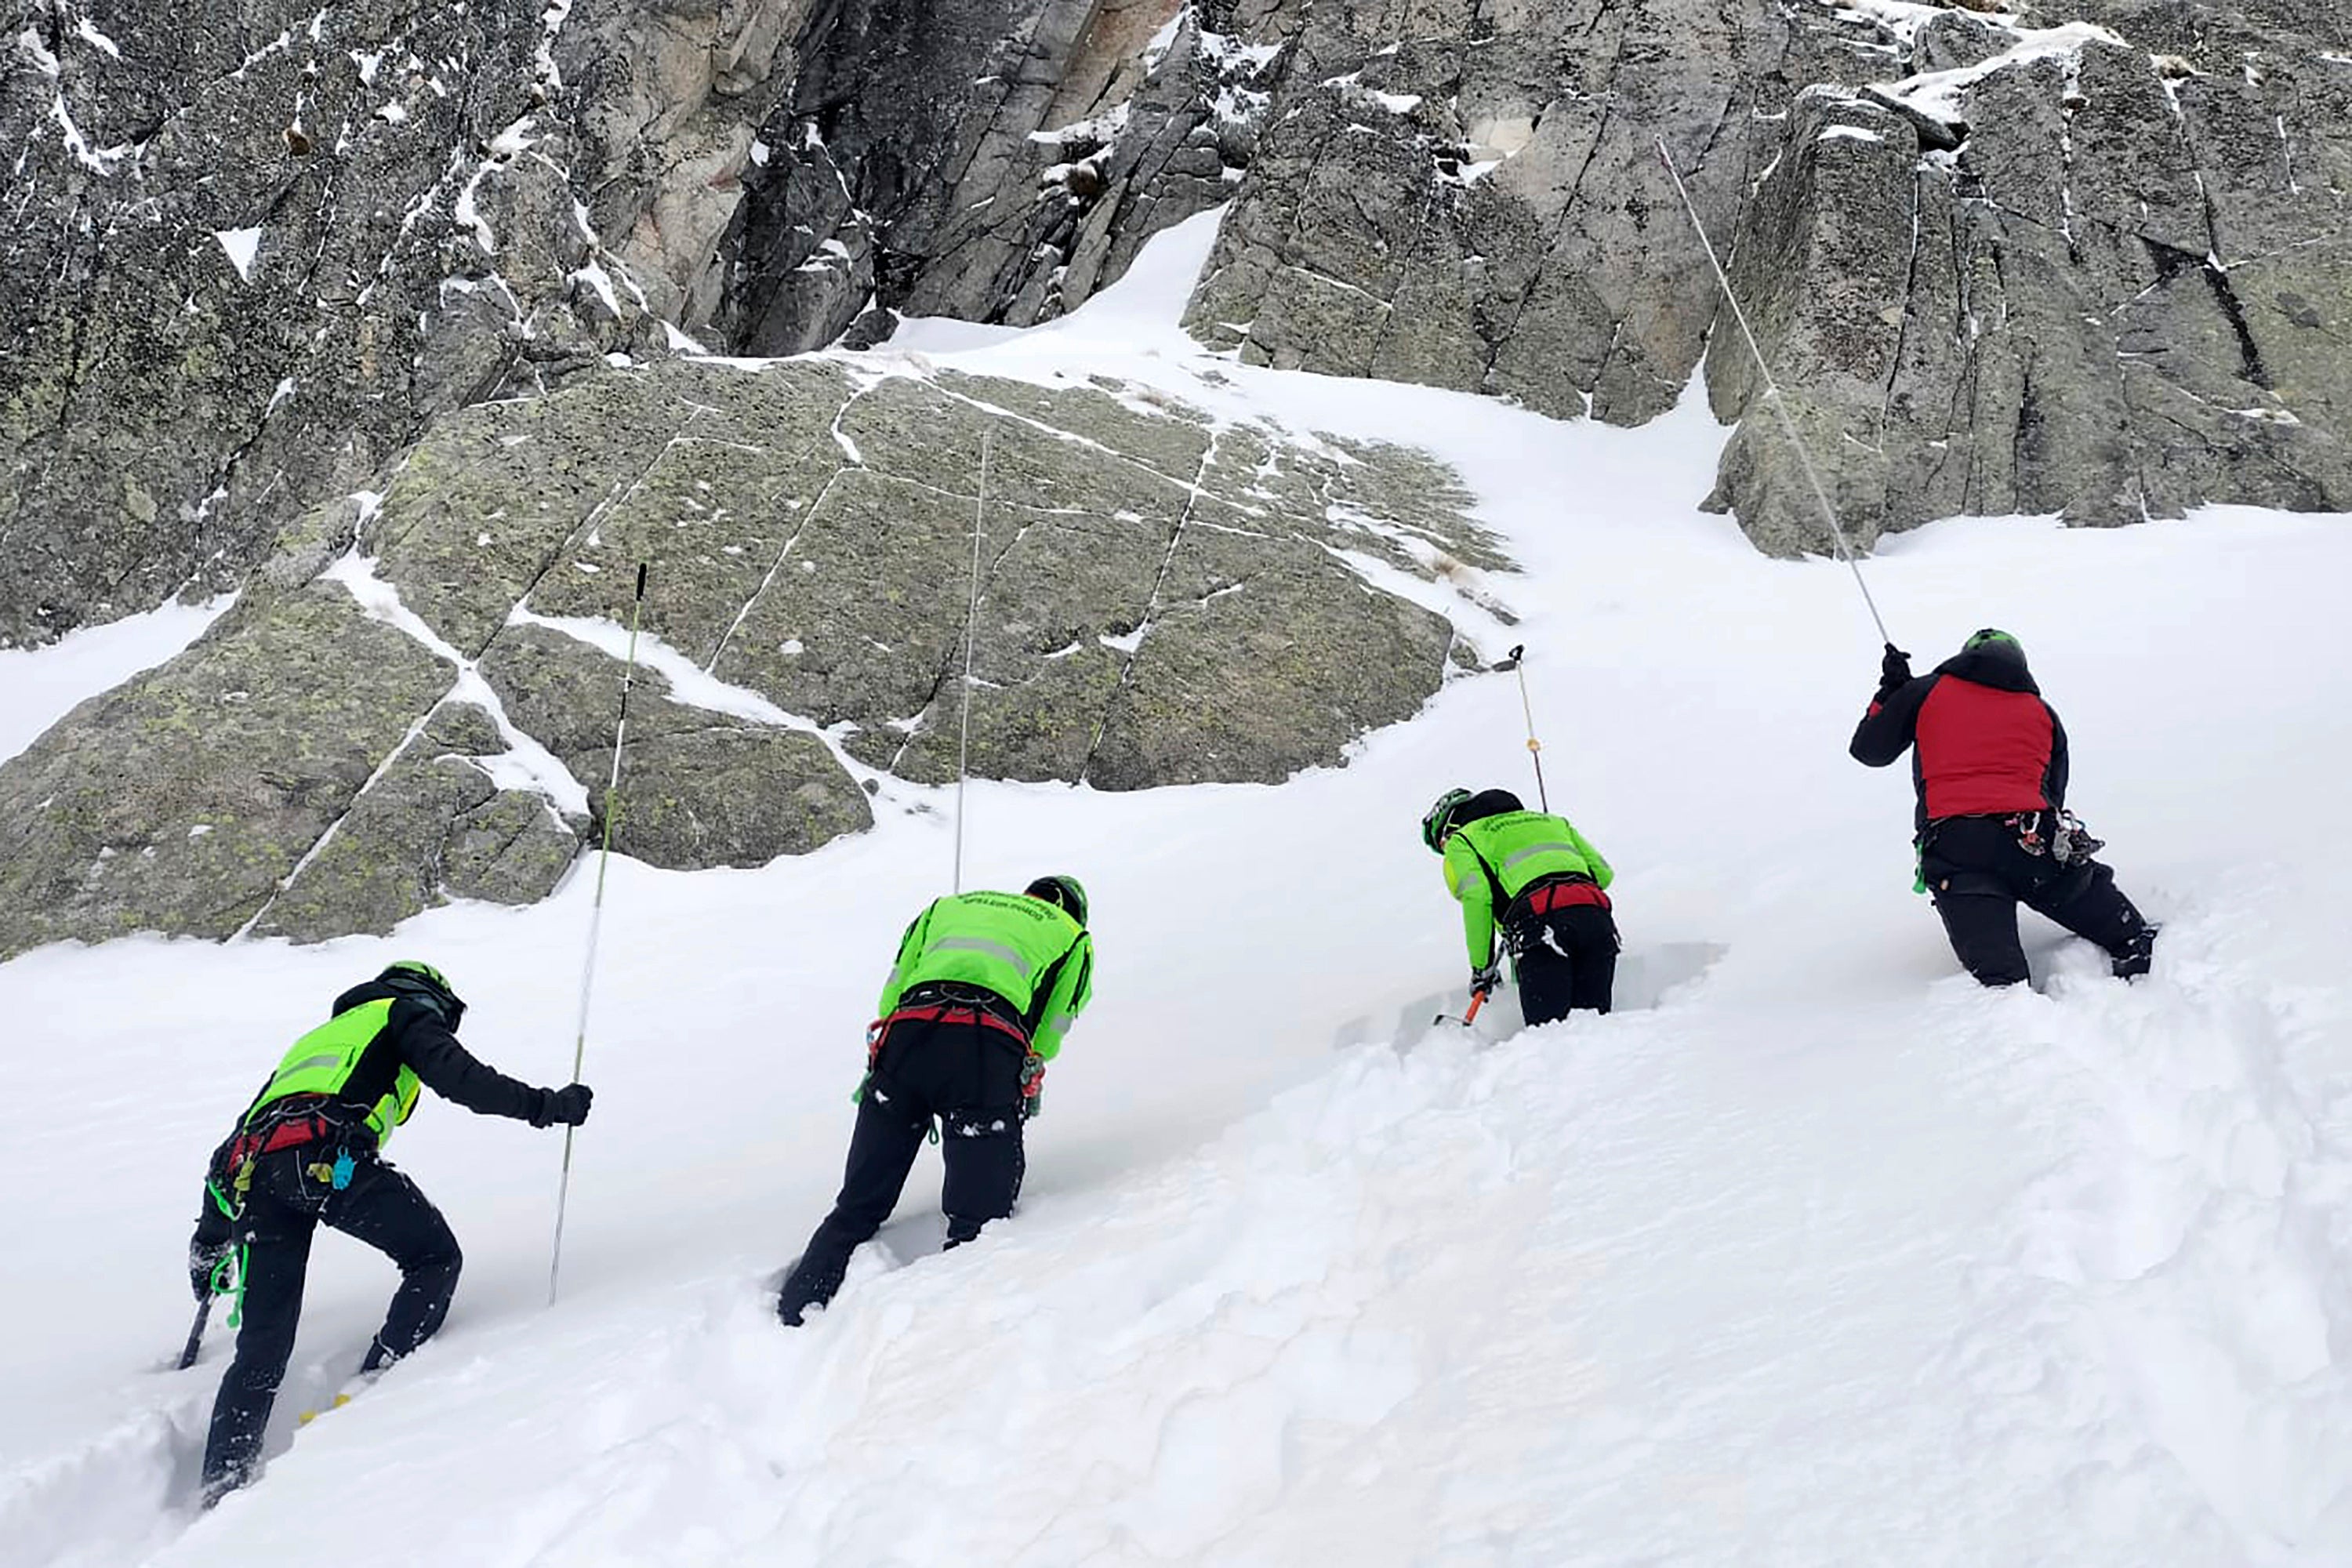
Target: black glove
(1894,670)
(204,1259)
(565,1106)
(1484,981)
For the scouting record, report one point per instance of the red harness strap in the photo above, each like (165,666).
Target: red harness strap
(941,1010)
(1563,895)
(288,1134)
(1033,1075)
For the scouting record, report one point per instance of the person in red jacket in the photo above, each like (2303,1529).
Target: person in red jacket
(1989,758)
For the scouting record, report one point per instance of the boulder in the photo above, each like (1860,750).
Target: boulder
(416,698)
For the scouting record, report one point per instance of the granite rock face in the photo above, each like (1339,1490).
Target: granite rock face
(2103,279)
(1471,195)
(701,788)
(433,825)
(983,159)
(254,248)
(368,314)
(2086,258)
(182,801)
(415,699)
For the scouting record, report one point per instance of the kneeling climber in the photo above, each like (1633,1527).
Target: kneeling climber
(1988,760)
(1535,879)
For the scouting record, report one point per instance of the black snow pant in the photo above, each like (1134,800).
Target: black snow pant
(1566,961)
(284,1207)
(955,1070)
(1978,873)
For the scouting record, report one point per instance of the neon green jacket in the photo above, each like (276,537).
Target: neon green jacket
(1025,950)
(1493,860)
(330,1059)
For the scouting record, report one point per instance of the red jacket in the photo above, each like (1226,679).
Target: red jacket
(1983,743)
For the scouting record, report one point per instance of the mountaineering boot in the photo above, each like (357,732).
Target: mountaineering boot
(2137,954)
(375,1366)
(220,1486)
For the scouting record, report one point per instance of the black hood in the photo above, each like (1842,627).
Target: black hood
(379,989)
(366,991)
(1999,665)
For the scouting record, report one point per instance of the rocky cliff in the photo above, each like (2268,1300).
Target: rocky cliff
(255,249)
(2084,257)
(2073,255)
(372,311)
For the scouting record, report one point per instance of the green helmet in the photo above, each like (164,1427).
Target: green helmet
(1439,820)
(413,978)
(1061,890)
(1991,634)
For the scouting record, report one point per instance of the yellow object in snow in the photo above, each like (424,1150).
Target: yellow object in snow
(310,1415)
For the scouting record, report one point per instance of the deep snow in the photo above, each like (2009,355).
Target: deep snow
(1830,1257)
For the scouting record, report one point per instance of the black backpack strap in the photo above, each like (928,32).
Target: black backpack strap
(1500,899)
(1047,983)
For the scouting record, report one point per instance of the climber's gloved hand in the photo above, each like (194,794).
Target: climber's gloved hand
(1894,670)
(565,1106)
(204,1259)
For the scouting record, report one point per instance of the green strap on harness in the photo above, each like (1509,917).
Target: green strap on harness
(232,1265)
(233,1262)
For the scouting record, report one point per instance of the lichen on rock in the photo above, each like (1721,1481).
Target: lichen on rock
(419,694)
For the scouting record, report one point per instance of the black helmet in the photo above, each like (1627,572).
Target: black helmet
(1062,891)
(1438,821)
(414,978)
(1993,639)
(1486,802)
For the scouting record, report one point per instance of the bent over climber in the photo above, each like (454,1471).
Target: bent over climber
(1535,879)
(1988,760)
(984,987)
(307,1151)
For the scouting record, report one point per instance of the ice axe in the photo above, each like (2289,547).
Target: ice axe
(196,1331)
(1469,1014)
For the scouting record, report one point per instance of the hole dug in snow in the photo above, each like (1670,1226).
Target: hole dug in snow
(1649,974)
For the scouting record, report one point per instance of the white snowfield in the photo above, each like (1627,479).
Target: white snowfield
(1827,1257)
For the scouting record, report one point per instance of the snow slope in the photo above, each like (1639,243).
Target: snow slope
(1827,1257)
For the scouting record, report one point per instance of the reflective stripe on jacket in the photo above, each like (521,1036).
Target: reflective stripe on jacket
(1025,950)
(325,1061)
(1493,860)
